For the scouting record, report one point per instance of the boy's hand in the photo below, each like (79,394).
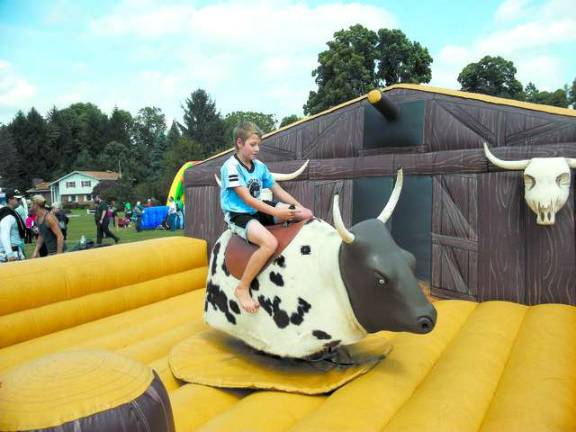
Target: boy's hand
(285,213)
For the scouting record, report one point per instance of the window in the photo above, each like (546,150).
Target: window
(86,183)
(71,184)
(71,198)
(88,197)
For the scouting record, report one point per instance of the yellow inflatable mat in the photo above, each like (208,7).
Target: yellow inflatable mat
(494,366)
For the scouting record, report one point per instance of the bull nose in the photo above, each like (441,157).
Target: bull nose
(426,324)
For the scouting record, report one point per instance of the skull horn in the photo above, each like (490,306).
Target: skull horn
(394,197)
(217,181)
(509,165)
(286,177)
(347,236)
(571,162)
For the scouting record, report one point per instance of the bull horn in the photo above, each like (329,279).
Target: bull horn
(217,180)
(571,162)
(286,177)
(509,165)
(394,197)
(347,236)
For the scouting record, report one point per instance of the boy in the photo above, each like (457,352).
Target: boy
(243,177)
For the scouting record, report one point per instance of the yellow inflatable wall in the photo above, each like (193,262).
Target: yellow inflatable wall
(493,366)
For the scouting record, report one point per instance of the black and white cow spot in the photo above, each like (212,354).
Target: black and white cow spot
(273,309)
(215,252)
(297,317)
(224,268)
(319,334)
(219,301)
(280,261)
(277,279)
(234,306)
(305,250)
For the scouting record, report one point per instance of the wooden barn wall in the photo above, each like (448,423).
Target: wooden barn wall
(485,241)
(455,123)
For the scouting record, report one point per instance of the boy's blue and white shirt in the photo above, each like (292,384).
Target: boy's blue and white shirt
(233,174)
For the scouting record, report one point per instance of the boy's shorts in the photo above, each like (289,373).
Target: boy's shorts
(238,222)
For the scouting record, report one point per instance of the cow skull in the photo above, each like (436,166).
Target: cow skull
(266,194)
(546,183)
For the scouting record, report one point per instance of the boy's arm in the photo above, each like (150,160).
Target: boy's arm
(284,196)
(261,206)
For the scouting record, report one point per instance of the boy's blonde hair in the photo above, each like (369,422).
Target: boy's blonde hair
(244,130)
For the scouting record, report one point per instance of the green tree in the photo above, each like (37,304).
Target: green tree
(11,164)
(181,151)
(358,60)
(289,120)
(572,94)
(29,138)
(557,98)
(266,122)
(203,123)
(493,76)
(149,142)
(400,60)
(346,69)
(120,127)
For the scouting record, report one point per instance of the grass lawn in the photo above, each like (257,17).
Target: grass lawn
(82,223)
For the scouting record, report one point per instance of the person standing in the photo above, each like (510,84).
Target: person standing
(50,234)
(102,220)
(172,214)
(62,219)
(12,230)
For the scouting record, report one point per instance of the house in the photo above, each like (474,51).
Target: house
(41,188)
(77,186)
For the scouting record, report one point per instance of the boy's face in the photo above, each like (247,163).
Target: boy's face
(249,149)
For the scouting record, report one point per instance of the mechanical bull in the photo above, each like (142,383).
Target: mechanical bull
(328,287)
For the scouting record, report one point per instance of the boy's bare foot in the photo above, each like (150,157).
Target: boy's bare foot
(246,301)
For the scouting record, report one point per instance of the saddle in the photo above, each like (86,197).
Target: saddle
(239,251)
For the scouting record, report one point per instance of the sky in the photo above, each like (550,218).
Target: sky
(251,55)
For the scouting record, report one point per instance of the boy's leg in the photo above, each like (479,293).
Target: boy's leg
(260,236)
(301,213)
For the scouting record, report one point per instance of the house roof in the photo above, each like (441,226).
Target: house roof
(40,187)
(98,175)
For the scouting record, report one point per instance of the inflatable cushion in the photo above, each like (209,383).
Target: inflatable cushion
(83,391)
(215,359)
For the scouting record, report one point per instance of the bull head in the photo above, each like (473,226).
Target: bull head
(546,183)
(266,194)
(379,275)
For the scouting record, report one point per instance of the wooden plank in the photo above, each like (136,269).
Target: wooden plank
(502,246)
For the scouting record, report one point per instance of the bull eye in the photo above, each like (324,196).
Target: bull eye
(381,280)
(529,181)
(563,179)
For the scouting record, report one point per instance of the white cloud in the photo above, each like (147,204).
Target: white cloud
(14,90)
(523,33)
(510,10)
(249,55)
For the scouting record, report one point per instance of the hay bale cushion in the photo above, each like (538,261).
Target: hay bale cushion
(83,391)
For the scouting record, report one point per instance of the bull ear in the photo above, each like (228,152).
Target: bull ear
(394,197)
(509,165)
(347,236)
(217,180)
(291,176)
